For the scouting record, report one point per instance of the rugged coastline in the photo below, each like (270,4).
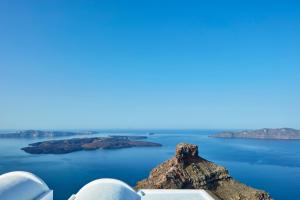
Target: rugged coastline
(79,144)
(187,170)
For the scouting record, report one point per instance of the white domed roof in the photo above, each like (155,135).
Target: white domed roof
(21,185)
(107,189)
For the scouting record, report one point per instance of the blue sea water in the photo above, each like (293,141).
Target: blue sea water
(271,165)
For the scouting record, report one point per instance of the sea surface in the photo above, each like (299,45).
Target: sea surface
(271,165)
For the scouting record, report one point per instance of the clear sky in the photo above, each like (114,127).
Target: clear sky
(149,64)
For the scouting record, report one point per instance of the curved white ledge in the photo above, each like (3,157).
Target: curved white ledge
(23,185)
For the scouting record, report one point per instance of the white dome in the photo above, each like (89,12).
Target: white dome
(106,189)
(22,185)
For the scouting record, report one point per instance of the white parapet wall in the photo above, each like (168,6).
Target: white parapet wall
(111,189)
(173,194)
(27,186)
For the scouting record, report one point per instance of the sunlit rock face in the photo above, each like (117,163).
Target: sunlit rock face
(187,170)
(186,153)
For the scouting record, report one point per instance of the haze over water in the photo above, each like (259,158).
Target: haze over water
(271,165)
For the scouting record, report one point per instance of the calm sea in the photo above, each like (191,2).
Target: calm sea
(270,165)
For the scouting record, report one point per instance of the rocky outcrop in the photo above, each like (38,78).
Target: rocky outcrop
(79,144)
(265,133)
(187,170)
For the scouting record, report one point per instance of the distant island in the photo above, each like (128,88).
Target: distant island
(266,133)
(44,134)
(79,144)
(131,137)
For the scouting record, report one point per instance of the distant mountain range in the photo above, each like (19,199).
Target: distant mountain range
(265,133)
(43,134)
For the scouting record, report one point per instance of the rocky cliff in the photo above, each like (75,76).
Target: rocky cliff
(187,170)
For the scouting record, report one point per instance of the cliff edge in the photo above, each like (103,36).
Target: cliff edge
(187,170)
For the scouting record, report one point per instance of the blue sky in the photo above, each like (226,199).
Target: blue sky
(149,64)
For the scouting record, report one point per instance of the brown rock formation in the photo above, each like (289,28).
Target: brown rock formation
(186,170)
